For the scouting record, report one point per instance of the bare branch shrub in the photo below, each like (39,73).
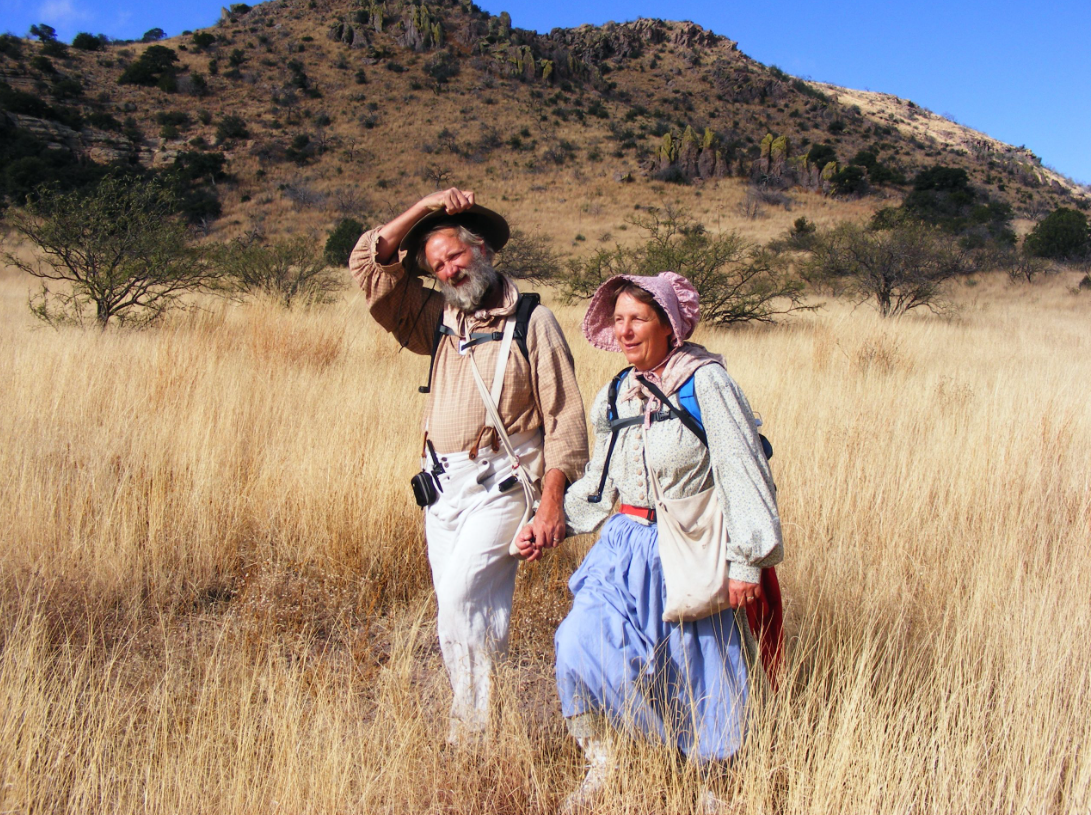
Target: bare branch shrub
(120,248)
(901,268)
(529,257)
(1023,267)
(290,271)
(759,196)
(436,175)
(738,281)
(303,196)
(350,201)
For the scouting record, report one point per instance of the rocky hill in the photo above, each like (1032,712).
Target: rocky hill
(322,109)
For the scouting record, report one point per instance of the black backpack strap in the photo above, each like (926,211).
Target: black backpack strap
(616,425)
(680,412)
(528,301)
(437,338)
(690,422)
(478,337)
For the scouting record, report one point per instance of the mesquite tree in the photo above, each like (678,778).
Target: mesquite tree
(119,247)
(738,281)
(901,268)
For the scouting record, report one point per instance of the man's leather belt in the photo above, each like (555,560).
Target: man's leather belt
(646,513)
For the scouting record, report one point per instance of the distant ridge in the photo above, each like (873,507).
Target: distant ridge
(324,108)
(914,121)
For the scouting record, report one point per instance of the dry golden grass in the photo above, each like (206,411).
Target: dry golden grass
(215,597)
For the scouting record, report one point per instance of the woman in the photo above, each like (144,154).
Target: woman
(618,662)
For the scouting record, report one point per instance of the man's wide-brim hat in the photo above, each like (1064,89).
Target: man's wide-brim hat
(481,221)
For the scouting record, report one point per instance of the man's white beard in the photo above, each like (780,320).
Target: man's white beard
(469,296)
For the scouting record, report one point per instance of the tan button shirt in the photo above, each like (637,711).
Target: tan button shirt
(538,393)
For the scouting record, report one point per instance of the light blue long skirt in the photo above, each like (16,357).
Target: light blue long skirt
(684,684)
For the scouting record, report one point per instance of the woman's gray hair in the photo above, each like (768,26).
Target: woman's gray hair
(469,238)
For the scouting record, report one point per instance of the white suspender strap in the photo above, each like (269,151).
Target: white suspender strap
(501,364)
(530,494)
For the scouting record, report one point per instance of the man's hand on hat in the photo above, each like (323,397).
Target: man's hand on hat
(453,200)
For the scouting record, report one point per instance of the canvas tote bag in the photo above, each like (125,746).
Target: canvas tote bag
(693,553)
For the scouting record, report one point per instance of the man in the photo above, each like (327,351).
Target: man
(478,507)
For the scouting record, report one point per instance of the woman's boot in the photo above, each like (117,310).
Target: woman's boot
(590,735)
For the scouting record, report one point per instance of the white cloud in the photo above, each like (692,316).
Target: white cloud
(63,11)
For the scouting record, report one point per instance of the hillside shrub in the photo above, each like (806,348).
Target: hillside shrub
(193,166)
(178,118)
(231,127)
(821,154)
(341,241)
(1023,267)
(441,68)
(802,235)
(89,42)
(17,101)
(154,68)
(66,88)
(300,149)
(203,40)
(878,173)
(131,130)
(942,196)
(942,178)
(198,85)
(153,35)
(47,36)
(852,180)
(44,32)
(1061,235)
(43,64)
(26,162)
(672,174)
(298,78)
(103,121)
(11,46)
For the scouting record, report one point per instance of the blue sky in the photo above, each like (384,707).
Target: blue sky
(1017,71)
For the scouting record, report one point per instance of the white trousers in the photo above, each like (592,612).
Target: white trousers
(468,532)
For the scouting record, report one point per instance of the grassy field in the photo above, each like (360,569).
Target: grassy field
(214,595)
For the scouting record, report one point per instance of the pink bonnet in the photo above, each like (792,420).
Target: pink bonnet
(674,294)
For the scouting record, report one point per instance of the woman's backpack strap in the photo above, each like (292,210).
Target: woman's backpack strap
(616,425)
(681,414)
